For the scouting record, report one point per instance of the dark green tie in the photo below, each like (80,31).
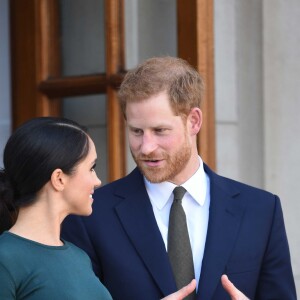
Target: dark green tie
(179,246)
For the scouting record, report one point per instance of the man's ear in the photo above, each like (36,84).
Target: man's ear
(195,120)
(58,179)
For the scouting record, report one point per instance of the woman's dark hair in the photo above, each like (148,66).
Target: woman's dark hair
(31,154)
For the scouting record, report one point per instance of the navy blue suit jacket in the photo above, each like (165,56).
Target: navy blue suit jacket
(246,240)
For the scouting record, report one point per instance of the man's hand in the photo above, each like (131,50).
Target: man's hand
(229,287)
(182,293)
(233,292)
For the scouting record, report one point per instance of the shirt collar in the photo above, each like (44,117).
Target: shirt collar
(160,193)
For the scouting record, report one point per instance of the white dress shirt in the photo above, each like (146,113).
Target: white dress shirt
(195,204)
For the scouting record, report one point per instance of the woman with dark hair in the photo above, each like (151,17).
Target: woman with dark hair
(48,174)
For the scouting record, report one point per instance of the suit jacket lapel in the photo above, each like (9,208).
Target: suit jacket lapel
(225,214)
(136,215)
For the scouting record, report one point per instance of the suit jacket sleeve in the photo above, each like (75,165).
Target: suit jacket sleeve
(276,277)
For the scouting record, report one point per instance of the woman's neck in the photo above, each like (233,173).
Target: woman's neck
(40,223)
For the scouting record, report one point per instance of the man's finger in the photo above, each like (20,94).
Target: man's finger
(186,290)
(230,288)
(183,292)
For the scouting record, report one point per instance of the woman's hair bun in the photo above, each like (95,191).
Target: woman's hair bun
(7,209)
(6,189)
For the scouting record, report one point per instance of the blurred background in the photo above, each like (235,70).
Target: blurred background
(68,57)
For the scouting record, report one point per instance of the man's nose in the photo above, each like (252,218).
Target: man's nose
(148,144)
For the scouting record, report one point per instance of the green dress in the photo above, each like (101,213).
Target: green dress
(30,270)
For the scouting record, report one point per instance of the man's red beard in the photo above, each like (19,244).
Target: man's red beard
(172,165)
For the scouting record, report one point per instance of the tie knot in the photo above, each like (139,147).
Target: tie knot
(179,192)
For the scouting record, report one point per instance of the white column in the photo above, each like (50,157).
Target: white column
(239,90)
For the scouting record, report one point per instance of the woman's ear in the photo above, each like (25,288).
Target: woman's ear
(195,120)
(58,179)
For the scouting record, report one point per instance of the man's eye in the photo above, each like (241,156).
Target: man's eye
(137,131)
(161,130)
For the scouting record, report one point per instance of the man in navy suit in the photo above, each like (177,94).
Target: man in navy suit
(234,229)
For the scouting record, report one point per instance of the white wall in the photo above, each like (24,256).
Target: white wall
(239,90)
(5,112)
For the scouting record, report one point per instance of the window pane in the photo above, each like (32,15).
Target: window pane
(150,29)
(90,111)
(82,37)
